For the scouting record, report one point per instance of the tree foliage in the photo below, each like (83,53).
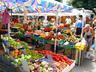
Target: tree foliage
(87,4)
(59,0)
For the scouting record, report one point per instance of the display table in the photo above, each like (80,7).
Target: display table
(79,57)
(60,45)
(29,55)
(69,68)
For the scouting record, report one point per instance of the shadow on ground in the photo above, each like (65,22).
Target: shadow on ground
(86,66)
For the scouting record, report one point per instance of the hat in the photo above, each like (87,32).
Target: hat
(87,25)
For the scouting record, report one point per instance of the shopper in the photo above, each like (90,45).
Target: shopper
(88,34)
(68,20)
(79,25)
(5,18)
(87,19)
(94,22)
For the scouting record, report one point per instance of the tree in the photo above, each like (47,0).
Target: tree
(59,0)
(86,4)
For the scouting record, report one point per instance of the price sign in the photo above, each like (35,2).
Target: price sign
(25,66)
(50,58)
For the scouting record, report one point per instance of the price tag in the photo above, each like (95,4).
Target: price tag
(25,66)
(50,58)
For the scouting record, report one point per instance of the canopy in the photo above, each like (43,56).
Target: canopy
(34,6)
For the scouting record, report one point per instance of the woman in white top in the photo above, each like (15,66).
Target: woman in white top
(88,34)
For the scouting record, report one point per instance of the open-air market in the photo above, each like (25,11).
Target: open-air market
(47,36)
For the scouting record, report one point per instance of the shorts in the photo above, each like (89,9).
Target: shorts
(78,31)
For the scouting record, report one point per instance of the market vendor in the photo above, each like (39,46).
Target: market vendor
(29,29)
(52,21)
(45,23)
(88,34)
(5,21)
(53,24)
(68,20)
(33,22)
(5,18)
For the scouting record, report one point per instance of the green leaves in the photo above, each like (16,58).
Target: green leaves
(59,0)
(87,4)
(84,3)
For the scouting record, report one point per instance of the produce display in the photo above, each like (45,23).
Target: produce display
(64,36)
(41,67)
(63,25)
(49,32)
(49,35)
(27,57)
(34,54)
(80,45)
(57,57)
(55,64)
(47,29)
(15,43)
(45,66)
(19,47)
(38,61)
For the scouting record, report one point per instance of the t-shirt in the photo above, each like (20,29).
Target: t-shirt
(5,17)
(79,24)
(94,23)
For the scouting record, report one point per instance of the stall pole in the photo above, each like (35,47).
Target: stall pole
(25,15)
(56,32)
(79,57)
(55,44)
(59,19)
(95,39)
(76,56)
(56,24)
(45,17)
(9,30)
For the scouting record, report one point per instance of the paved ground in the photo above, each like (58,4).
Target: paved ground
(86,66)
(6,66)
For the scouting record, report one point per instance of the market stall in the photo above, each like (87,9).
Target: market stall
(19,51)
(57,43)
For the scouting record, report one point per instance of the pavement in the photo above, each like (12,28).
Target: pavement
(86,66)
(5,65)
